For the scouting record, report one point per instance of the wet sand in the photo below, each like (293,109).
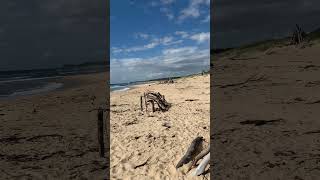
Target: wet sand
(141,146)
(266,115)
(52,135)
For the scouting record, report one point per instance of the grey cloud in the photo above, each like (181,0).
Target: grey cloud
(73,31)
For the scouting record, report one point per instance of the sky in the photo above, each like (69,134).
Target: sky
(242,22)
(152,39)
(49,33)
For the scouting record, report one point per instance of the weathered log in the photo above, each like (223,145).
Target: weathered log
(153,97)
(195,145)
(199,156)
(145,101)
(202,166)
(152,103)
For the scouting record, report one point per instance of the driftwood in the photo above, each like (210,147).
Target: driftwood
(169,81)
(199,156)
(298,35)
(154,98)
(202,166)
(195,144)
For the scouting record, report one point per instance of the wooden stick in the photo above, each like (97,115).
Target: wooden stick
(199,156)
(152,103)
(141,107)
(145,101)
(202,166)
(100,132)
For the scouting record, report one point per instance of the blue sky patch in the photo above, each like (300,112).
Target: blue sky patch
(154,39)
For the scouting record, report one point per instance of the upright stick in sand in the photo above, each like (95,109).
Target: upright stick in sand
(100,132)
(141,107)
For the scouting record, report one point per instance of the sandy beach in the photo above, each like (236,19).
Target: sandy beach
(266,114)
(141,146)
(52,135)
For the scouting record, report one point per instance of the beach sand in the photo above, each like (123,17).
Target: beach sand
(52,135)
(284,92)
(139,138)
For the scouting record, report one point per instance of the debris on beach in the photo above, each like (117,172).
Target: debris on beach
(298,35)
(168,81)
(200,156)
(192,155)
(166,124)
(154,98)
(191,152)
(202,166)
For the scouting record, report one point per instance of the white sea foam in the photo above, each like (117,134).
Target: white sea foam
(28,79)
(124,89)
(48,87)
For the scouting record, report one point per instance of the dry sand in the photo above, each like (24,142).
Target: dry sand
(59,139)
(138,137)
(286,94)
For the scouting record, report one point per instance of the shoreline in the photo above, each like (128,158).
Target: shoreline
(43,133)
(156,81)
(65,83)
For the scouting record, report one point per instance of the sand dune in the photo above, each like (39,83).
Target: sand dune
(140,139)
(52,135)
(266,114)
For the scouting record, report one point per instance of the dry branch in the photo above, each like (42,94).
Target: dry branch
(298,35)
(195,144)
(155,98)
(202,166)
(199,156)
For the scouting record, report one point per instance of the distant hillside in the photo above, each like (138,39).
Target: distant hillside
(66,67)
(87,64)
(262,45)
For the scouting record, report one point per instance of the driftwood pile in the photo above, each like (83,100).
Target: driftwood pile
(192,156)
(168,81)
(298,35)
(154,98)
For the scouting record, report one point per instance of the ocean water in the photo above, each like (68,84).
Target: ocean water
(119,87)
(21,83)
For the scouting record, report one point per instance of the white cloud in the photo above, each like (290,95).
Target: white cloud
(141,35)
(193,10)
(166,1)
(167,12)
(207,19)
(165,41)
(172,61)
(171,51)
(183,34)
(201,37)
